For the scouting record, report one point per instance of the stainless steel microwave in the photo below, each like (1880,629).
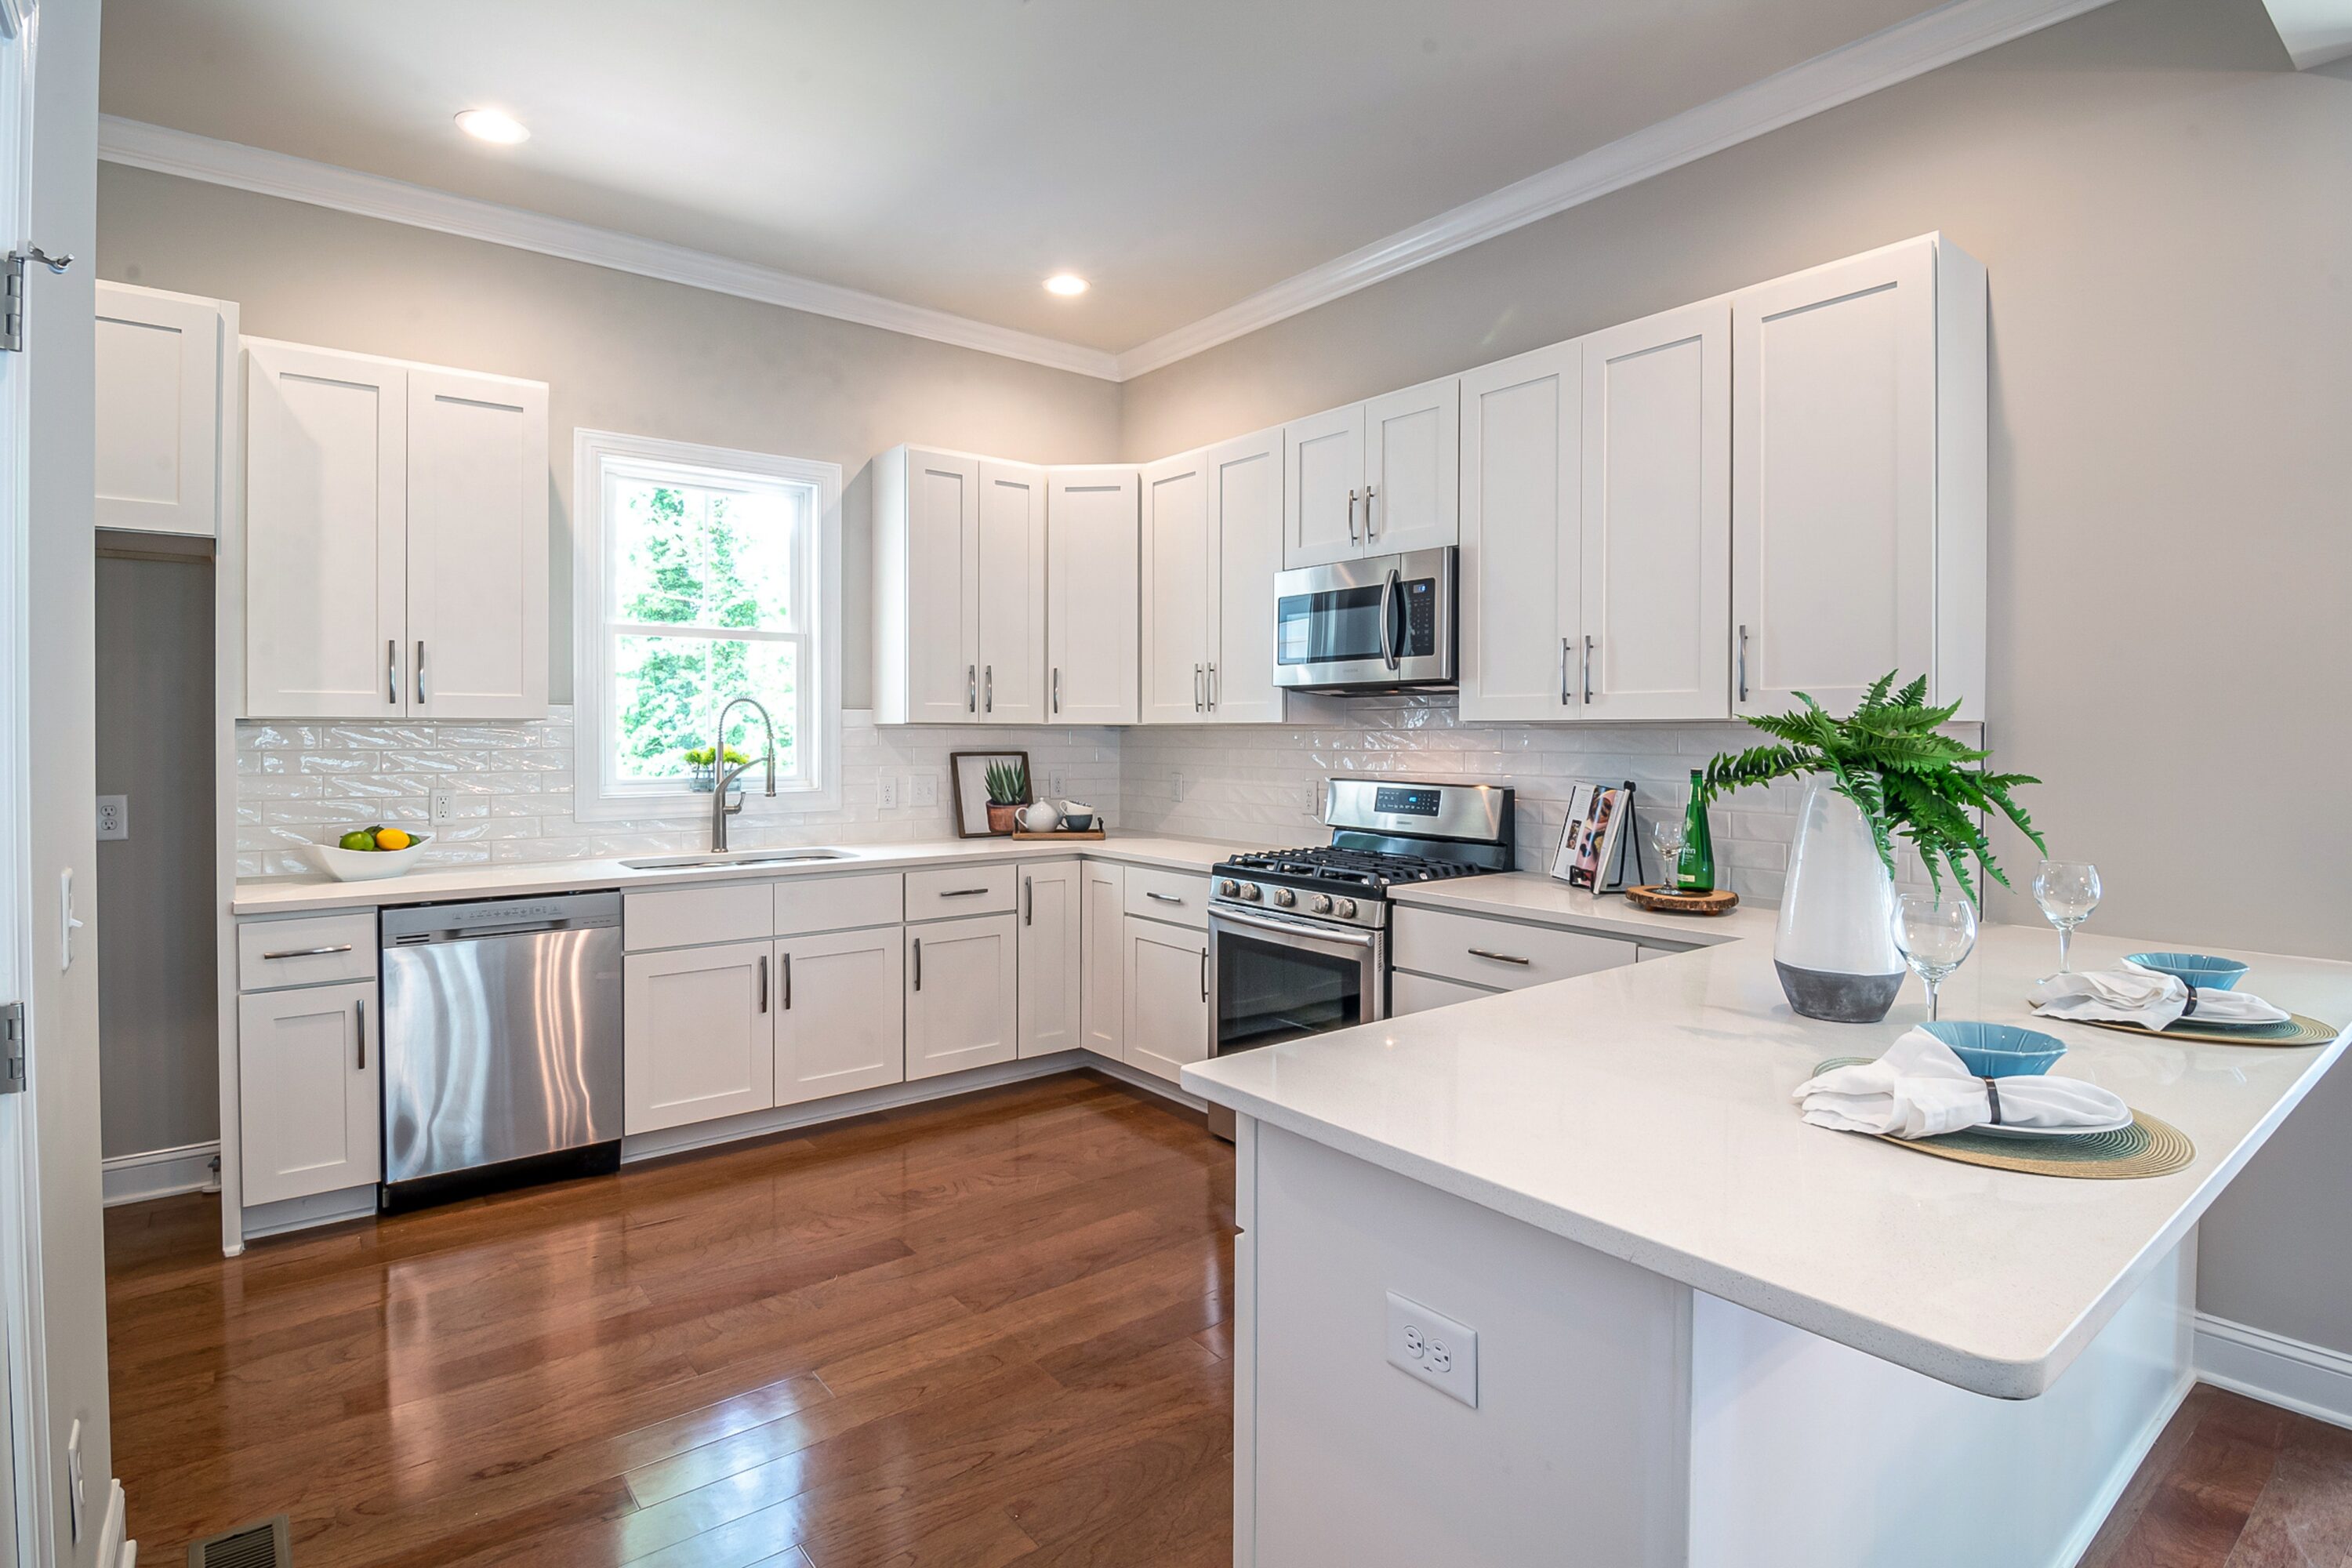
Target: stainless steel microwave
(1383,623)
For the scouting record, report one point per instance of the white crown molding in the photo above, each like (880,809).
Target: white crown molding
(142,146)
(1894,54)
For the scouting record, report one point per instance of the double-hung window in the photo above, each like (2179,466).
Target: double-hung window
(701,576)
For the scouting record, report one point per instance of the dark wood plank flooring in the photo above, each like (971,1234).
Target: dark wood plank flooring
(987,1331)
(2234,1483)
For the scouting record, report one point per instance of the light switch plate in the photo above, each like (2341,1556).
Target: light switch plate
(113,817)
(925,790)
(1434,1348)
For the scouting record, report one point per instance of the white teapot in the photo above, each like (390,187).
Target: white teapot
(1039,817)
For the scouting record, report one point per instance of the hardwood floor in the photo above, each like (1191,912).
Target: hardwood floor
(2233,1483)
(984,1333)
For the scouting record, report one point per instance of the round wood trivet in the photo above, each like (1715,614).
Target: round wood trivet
(1667,902)
(2147,1148)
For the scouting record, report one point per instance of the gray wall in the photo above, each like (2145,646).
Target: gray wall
(159,1051)
(618,352)
(2162,207)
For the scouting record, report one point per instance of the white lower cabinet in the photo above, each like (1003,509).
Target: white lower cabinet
(1424,993)
(963,993)
(1102,1006)
(699,1035)
(1167,984)
(306,1076)
(841,1016)
(1051,968)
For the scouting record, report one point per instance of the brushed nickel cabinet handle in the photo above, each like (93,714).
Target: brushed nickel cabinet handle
(1368,530)
(1057,689)
(1564,697)
(972,688)
(1743,664)
(1351,517)
(309,952)
(392,669)
(1588,671)
(1028,900)
(420,672)
(918,964)
(1162,898)
(963,892)
(1498,957)
(1204,975)
(1198,702)
(360,1004)
(1213,689)
(788,983)
(764,983)
(988,704)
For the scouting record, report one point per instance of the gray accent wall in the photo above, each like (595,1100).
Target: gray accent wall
(2160,203)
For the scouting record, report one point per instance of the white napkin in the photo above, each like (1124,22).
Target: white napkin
(1920,1089)
(2138,994)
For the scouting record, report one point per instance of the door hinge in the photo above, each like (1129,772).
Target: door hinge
(12,1048)
(12,330)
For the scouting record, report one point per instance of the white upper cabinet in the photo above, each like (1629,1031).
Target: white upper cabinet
(1656,518)
(477,545)
(1522,563)
(160,369)
(1244,480)
(959,589)
(326,534)
(394,514)
(1374,478)
(1176,591)
(1858,490)
(1094,575)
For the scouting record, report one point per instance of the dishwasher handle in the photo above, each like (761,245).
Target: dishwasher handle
(422,925)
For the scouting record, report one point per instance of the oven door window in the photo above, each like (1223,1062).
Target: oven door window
(1269,991)
(1339,627)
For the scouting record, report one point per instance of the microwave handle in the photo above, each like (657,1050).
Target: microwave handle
(1390,598)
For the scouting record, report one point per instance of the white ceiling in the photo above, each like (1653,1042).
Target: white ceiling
(1182,154)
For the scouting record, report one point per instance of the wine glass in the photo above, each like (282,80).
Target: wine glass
(2067,890)
(1935,935)
(1667,832)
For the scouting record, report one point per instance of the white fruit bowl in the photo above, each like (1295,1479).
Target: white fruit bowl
(366,865)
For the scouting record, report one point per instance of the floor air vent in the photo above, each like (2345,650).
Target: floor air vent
(263,1545)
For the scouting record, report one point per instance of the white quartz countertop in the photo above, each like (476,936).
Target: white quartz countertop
(1645,1111)
(288,895)
(1533,896)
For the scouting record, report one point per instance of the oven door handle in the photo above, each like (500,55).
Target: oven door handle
(1364,939)
(1390,645)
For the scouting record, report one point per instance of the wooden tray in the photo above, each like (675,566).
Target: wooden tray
(1667,902)
(1058,834)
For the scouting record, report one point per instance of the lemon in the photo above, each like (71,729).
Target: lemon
(392,838)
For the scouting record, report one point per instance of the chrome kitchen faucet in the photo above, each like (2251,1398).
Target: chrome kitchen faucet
(723,776)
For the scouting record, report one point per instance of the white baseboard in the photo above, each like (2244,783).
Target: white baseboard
(1137,1078)
(2310,1380)
(300,1214)
(160,1174)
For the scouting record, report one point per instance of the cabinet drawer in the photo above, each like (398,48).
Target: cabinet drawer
(806,904)
(1178,896)
(1420,994)
(961,891)
(1498,953)
(695,917)
(312,952)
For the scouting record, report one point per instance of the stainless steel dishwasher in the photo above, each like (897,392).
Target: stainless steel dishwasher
(501,1044)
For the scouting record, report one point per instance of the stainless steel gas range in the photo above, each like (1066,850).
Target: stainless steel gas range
(1298,938)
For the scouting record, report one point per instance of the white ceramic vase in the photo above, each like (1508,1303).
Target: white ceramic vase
(1835,947)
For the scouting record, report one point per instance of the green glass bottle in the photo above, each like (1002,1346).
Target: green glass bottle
(1695,869)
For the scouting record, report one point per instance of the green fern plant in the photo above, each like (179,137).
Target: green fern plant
(1908,781)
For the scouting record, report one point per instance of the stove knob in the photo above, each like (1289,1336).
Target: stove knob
(1285,897)
(1347,909)
(1250,893)
(1229,886)
(1426,876)
(1322,903)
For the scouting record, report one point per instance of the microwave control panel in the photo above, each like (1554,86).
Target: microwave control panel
(1419,618)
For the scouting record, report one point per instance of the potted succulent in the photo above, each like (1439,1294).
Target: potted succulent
(1883,773)
(1008,791)
(702,766)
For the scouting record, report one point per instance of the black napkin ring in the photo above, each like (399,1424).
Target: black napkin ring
(2185,1012)
(1992,1093)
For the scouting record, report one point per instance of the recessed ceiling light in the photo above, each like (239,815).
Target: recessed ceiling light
(1065,284)
(493,125)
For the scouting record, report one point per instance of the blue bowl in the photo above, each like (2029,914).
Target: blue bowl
(2205,972)
(1999,1050)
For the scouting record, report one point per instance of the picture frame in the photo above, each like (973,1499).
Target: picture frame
(1588,854)
(976,816)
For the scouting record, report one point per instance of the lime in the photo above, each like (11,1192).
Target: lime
(358,839)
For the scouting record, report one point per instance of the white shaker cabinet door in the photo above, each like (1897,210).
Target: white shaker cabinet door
(1322,487)
(1102,1004)
(1656,523)
(1244,533)
(477,546)
(1052,967)
(1522,567)
(1167,996)
(1413,448)
(1176,589)
(697,1033)
(159,387)
(963,993)
(1094,575)
(1833,490)
(927,562)
(307,1095)
(1012,593)
(326,534)
(841,1021)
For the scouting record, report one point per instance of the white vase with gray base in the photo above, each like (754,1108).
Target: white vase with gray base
(1835,947)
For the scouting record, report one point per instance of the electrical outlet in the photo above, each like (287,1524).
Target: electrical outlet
(925,789)
(445,808)
(886,793)
(1176,783)
(1054,786)
(113,817)
(1433,1348)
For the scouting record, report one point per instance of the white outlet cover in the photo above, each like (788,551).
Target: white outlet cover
(886,793)
(925,790)
(444,806)
(113,817)
(1440,1351)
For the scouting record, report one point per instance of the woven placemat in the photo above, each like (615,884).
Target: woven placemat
(2147,1148)
(2298,1030)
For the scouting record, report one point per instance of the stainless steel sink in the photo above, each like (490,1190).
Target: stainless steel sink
(744,858)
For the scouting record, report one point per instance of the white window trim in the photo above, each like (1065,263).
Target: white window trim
(591,450)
